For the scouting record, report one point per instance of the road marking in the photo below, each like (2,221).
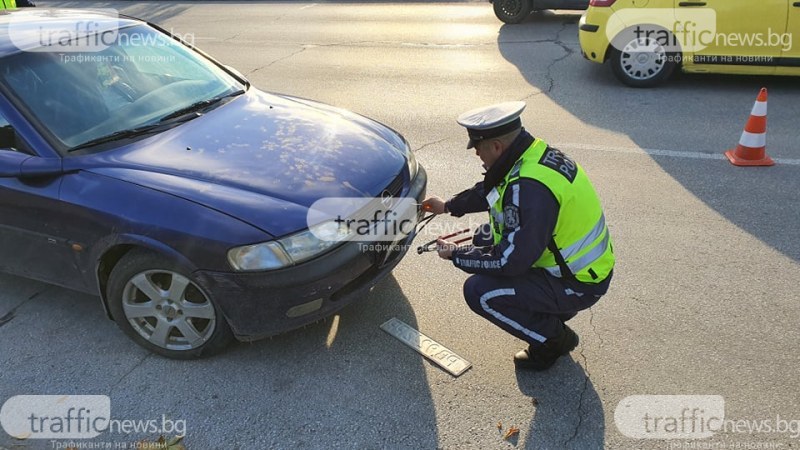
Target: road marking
(427,347)
(658,152)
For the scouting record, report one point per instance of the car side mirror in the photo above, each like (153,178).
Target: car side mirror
(14,164)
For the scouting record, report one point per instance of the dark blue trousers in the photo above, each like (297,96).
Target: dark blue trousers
(532,306)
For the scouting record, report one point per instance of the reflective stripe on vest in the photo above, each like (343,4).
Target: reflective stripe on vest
(585,260)
(581,226)
(587,240)
(9,4)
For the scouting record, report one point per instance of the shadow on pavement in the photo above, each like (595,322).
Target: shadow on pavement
(685,114)
(343,383)
(567,411)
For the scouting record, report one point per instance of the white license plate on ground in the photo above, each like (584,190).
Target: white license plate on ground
(427,347)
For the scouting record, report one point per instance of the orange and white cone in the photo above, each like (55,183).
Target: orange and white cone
(752,148)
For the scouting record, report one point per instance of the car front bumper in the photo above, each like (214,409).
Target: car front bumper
(263,304)
(592,36)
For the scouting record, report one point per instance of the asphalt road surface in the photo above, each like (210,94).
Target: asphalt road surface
(704,299)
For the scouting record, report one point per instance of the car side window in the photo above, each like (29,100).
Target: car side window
(7,135)
(9,138)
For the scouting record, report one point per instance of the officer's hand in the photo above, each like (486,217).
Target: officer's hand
(434,204)
(445,248)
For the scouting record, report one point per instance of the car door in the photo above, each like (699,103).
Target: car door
(740,42)
(790,60)
(30,220)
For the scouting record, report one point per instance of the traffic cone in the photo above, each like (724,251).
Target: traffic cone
(752,148)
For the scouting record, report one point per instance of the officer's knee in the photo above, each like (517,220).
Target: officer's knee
(473,292)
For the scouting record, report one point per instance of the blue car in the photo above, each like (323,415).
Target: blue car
(139,169)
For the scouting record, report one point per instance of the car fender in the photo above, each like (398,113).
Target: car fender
(103,214)
(123,244)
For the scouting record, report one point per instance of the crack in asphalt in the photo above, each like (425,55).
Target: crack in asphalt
(440,44)
(531,41)
(402,44)
(429,144)
(585,387)
(12,314)
(591,322)
(122,378)
(303,47)
(278,60)
(568,52)
(231,38)
(551,82)
(397,44)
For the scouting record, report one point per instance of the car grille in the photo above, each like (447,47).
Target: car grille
(396,186)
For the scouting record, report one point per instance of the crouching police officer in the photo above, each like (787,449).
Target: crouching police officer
(546,253)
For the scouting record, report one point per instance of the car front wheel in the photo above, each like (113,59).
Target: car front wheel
(642,62)
(160,306)
(512,11)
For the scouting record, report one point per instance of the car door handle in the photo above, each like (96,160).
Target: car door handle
(796,4)
(692,4)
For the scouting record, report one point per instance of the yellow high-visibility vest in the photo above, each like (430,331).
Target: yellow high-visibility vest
(581,242)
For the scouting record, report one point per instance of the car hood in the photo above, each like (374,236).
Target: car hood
(263,158)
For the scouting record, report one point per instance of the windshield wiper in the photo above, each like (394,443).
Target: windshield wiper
(199,106)
(119,135)
(164,122)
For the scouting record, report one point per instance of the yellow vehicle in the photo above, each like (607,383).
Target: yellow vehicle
(646,40)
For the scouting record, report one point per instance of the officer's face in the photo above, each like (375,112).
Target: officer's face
(488,151)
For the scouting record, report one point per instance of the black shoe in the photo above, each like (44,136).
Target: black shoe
(543,357)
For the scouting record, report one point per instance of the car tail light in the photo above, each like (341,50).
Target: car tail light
(601,2)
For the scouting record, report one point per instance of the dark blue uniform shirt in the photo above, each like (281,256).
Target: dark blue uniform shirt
(530,211)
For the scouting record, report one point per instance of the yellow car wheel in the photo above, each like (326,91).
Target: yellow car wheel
(641,61)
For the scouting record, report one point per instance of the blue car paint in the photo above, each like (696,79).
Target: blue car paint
(256,303)
(261,158)
(242,173)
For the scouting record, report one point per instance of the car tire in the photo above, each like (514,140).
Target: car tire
(641,61)
(161,307)
(512,11)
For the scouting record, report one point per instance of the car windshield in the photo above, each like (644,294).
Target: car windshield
(143,78)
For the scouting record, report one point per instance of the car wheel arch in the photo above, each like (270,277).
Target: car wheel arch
(211,336)
(117,248)
(630,30)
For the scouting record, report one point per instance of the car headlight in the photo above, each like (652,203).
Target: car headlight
(289,250)
(399,142)
(413,165)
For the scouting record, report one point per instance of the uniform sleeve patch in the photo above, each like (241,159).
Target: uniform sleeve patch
(511,217)
(561,163)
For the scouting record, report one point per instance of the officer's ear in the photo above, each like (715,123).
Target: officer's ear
(497,147)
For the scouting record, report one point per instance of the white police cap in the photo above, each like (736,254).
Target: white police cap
(491,121)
